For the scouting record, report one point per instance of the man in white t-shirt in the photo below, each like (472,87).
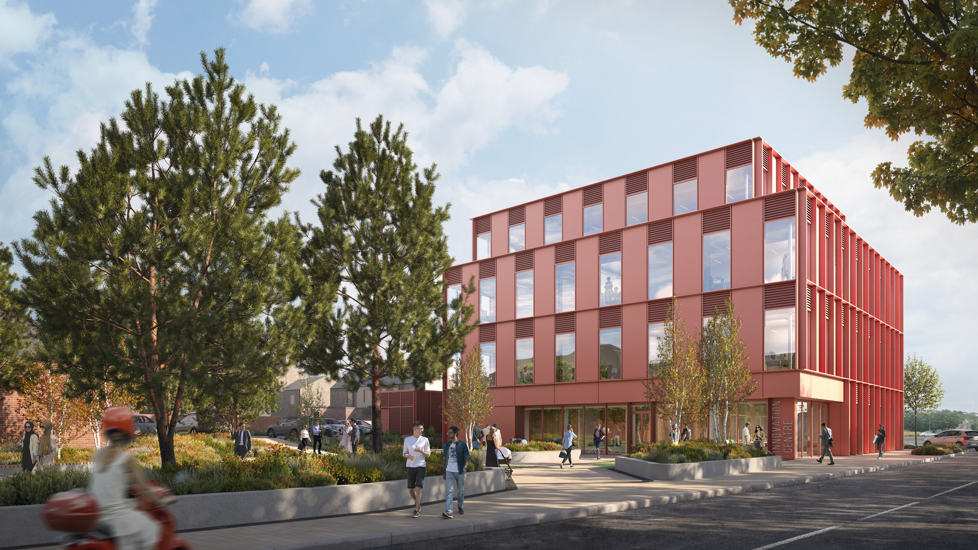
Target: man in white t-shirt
(416,449)
(745,437)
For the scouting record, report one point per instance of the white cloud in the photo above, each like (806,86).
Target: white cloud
(274,16)
(21,30)
(142,15)
(446,16)
(932,253)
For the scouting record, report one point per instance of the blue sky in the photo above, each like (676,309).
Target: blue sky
(512,100)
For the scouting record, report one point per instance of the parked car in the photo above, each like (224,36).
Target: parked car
(289,426)
(331,427)
(190,424)
(927,434)
(964,439)
(365,427)
(144,424)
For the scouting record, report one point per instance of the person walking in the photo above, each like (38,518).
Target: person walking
(242,441)
(303,439)
(745,436)
(46,449)
(491,459)
(686,434)
(477,436)
(30,452)
(416,449)
(354,436)
(826,439)
(317,438)
(598,438)
(568,443)
(345,436)
(759,437)
(456,454)
(497,436)
(880,439)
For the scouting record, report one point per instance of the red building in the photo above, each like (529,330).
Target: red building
(574,288)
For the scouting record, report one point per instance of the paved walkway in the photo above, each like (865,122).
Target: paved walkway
(541,490)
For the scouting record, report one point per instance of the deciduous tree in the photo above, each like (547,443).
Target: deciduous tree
(922,389)
(678,383)
(46,396)
(158,265)
(913,64)
(469,399)
(727,377)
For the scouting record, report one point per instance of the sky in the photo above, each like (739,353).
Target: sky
(513,100)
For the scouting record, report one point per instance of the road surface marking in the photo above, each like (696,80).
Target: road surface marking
(955,489)
(799,537)
(890,510)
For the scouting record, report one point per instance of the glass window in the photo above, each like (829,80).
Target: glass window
(552,229)
(660,271)
(489,361)
(637,208)
(716,261)
(524,294)
(610,279)
(483,246)
(565,358)
(453,293)
(740,183)
(611,354)
(779,339)
(517,237)
(453,368)
(656,331)
(565,287)
(779,251)
(487,300)
(684,197)
(524,361)
(592,220)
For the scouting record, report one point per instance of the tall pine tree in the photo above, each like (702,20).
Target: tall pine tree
(158,266)
(13,321)
(380,240)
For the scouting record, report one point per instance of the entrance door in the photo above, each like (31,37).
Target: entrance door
(642,427)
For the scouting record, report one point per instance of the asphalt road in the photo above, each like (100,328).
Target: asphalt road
(933,505)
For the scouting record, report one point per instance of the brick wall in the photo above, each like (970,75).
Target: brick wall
(12,422)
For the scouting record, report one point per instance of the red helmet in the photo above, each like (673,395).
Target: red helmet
(118,418)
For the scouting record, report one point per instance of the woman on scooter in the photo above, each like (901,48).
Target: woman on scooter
(114,472)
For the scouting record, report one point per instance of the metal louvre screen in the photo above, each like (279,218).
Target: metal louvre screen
(553,205)
(609,317)
(714,301)
(524,328)
(517,215)
(784,176)
(779,296)
(524,261)
(739,155)
(455,276)
(565,252)
(609,243)
(684,170)
(779,206)
(565,323)
(808,299)
(637,183)
(487,333)
(594,195)
(716,220)
(657,310)
(660,232)
(766,159)
(487,269)
(483,225)
(808,206)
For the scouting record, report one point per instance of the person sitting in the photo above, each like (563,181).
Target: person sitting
(114,471)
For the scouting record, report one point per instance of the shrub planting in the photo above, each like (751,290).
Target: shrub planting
(533,446)
(694,451)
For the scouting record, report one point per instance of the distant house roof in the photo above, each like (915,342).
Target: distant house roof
(298,384)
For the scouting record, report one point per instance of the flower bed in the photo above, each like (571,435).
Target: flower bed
(694,451)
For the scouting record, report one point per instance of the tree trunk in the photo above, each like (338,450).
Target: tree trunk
(915,429)
(165,437)
(375,414)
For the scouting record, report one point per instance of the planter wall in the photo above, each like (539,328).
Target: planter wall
(542,457)
(22,525)
(695,470)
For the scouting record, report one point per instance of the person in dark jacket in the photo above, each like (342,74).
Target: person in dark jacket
(880,439)
(456,456)
(491,459)
(30,453)
(826,438)
(242,441)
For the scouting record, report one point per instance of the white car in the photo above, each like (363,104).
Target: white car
(927,434)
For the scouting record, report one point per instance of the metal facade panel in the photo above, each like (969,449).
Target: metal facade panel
(660,193)
(544,347)
(586,274)
(711,186)
(534,225)
(614,204)
(573,216)
(750,308)
(506,288)
(586,346)
(500,233)
(687,253)
(634,341)
(634,265)
(747,245)
(505,354)
(544,285)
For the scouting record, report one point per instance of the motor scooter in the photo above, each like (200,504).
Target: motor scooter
(76,513)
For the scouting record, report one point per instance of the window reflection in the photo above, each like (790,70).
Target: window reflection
(524,294)
(740,183)
(716,261)
(489,361)
(637,208)
(483,246)
(487,300)
(660,271)
(656,331)
(684,197)
(517,237)
(779,339)
(610,361)
(779,251)
(453,368)
(564,273)
(592,220)
(553,232)
(610,279)
(453,293)
(565,358)
(524,361)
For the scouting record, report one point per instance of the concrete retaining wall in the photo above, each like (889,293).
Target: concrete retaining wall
(22,525)
(695,470)
(542,457)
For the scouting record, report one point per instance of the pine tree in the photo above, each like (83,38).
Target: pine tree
(380,248)
(469,399)
(727,377)
(13,322)
(158,267)
(678,385)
